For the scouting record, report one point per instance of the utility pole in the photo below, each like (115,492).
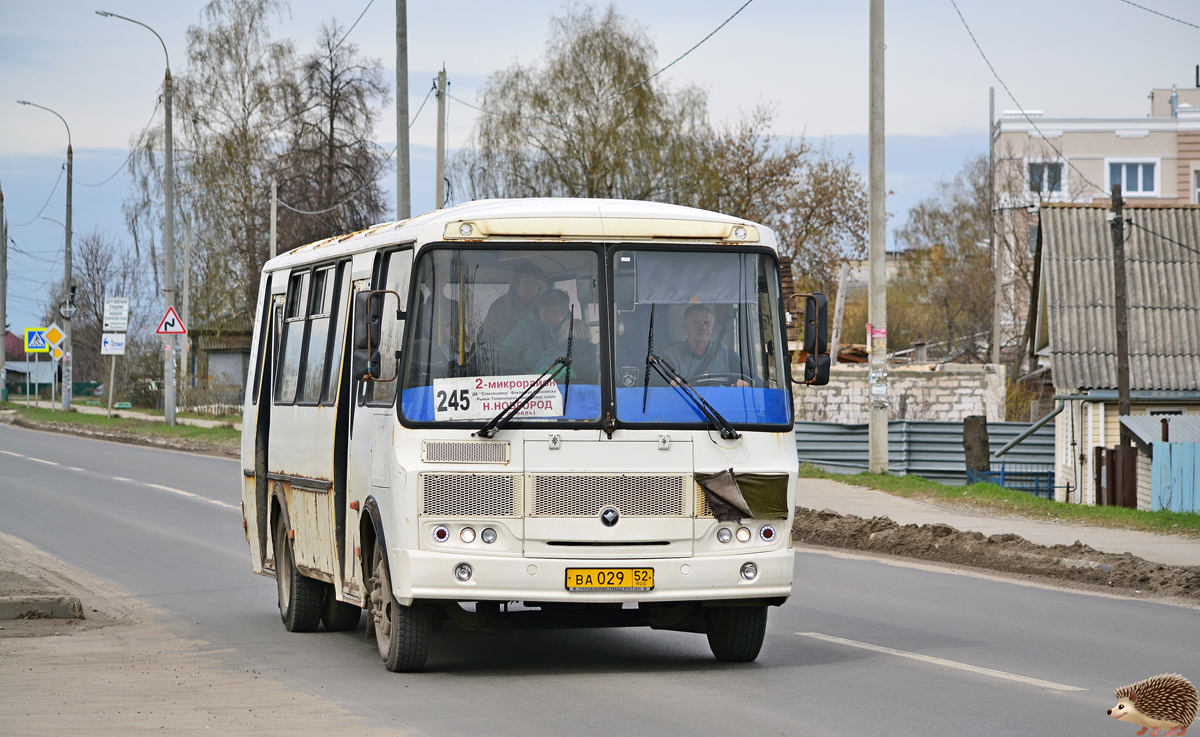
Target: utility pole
(184,347)
(877,265)
(168,256)
(4,296)
(403,179)
(1122,309)
(997,251)
(69,293)
(440,199)
(274,202)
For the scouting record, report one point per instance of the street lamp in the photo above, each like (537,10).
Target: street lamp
(168,228)
(66,361)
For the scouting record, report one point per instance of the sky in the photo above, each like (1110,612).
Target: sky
(1070,58)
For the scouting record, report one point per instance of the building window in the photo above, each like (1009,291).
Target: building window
(1046,178)
(1197,175)
(1135,177)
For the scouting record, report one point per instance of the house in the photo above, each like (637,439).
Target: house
(1149,431)
(1155,159)
(221,351)
(1074,325)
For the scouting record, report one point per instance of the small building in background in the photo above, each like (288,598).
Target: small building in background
(1165,433)
(1074,325)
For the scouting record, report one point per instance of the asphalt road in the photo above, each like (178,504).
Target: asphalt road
(890,649)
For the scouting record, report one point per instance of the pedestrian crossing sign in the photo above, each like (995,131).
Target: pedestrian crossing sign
(35,341)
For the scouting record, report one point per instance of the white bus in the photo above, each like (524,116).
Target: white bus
(523,414)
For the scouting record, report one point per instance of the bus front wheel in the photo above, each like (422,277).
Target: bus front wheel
(735,634)
(401,632)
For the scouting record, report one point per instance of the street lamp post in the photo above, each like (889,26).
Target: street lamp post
(168,229)
(69,311)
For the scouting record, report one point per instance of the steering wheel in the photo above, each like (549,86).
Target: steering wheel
(719,379)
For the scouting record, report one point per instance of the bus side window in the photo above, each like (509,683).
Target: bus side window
(265,321)
(292,342)
(341,316)
(320,308)
(396,276)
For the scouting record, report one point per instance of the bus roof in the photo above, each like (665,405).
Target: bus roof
(548,219)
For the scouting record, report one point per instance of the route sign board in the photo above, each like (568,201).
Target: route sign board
(113,344)
(171,324)
(35,341)
(54,334)
(116,314)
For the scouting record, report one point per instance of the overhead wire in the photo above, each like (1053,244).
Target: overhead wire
(1164,15)
(48,197)
(605,101)
(132,149)
(353,191)
(1165,238)
(1013,97)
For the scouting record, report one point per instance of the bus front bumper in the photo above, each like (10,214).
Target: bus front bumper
(431,576)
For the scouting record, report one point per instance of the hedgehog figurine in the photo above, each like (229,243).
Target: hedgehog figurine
(1162,702)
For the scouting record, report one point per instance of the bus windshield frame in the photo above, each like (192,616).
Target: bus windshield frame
(597,385)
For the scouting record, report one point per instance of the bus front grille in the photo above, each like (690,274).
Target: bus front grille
(586,495)
(455,451)
(471,494)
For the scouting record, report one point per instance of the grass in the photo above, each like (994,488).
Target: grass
(190,415)
(223,435)
(1009,501)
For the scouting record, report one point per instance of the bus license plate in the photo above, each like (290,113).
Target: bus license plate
(610,579)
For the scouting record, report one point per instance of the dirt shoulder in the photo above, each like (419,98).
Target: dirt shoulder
(116,672)
(1077,565)
(222,442)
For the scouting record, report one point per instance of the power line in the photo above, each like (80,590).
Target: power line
(1165,238)
(1013,97)
(132,149)
(427,94)
(352,25)
(52,191)
(606,100)
(1164,15)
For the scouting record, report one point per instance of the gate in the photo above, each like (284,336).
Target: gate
(1116,476)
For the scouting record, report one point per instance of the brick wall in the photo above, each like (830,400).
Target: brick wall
(947,391)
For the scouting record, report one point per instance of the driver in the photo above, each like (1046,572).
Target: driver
(514,305)
(698,355)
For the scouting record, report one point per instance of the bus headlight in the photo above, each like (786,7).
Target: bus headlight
(468,535)
(462,571)
(743,534)
(749,571)
(724,535)
(441,534)
(767,533)
(488,535)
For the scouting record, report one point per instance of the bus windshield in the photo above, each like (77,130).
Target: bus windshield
(485,323)
(713,318)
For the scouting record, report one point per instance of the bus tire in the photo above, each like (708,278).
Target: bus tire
(735,634)
(300,598)
(401,632)
(339,616)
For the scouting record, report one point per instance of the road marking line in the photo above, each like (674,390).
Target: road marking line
(39,460)
(173,491)
(219,504)
(942,662)
(72,468)
(120,478)
(10,453)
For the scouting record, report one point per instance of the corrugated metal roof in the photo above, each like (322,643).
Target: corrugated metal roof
(1164,297)
(1181,428)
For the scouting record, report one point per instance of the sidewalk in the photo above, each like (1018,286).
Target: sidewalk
(82,408)
(822,494)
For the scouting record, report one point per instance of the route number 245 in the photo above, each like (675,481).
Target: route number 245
(455,399)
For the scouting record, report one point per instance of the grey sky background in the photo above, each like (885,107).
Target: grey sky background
(1070,58)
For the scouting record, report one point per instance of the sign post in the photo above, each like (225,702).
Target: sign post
(112,343)
(35,343)
(170,325)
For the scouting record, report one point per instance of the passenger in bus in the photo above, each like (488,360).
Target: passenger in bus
(544,328)
(514,305)
(698,355)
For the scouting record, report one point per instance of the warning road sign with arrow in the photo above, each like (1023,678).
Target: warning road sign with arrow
(171,324)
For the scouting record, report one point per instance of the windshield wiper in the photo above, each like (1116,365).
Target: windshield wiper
(676,380)
(497,423)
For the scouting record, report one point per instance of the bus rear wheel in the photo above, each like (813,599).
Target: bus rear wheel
(300,598)
(401,632)
(735,634)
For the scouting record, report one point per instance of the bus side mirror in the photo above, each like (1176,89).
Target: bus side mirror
(816,370)
(367,364)
(816,324)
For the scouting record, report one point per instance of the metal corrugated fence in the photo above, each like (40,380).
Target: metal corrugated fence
(915,448)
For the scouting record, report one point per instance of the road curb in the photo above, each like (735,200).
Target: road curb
(40,607)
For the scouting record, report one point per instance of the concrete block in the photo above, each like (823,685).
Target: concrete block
(40,607)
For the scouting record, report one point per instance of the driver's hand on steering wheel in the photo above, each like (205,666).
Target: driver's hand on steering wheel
(741,382)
